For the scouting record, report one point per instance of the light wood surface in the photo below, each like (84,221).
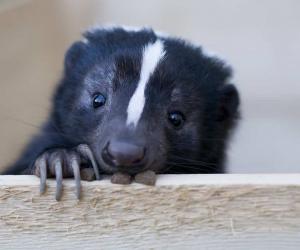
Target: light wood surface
(180,212)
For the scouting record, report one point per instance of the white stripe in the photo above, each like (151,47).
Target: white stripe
(152,55)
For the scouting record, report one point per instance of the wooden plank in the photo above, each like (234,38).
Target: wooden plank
(180,212)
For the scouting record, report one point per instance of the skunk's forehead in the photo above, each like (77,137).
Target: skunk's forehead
(155,65)
(182,57)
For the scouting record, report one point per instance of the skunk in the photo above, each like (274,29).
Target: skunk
(135,100)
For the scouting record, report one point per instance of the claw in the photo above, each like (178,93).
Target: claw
(58,174)
(42,165)
(74,162)
(87,153)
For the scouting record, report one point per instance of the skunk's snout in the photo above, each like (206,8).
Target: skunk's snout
(123,154)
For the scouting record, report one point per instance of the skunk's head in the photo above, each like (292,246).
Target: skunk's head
(142,101)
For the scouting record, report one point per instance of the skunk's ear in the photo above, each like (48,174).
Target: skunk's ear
(228,102)
(73,54)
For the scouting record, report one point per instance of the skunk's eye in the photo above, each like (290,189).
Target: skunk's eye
(176,118)
(99,100)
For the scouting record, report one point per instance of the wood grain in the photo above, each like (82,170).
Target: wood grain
(180,212)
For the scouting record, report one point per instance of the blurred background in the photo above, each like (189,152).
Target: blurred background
(260,38)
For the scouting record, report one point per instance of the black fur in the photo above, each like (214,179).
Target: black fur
(186,80)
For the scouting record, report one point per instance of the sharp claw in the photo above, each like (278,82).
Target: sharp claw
(43,174)
(87,153)
(58,174)
(76,171)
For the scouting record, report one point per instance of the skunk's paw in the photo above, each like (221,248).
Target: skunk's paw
(60,163)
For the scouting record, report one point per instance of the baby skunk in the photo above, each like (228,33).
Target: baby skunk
(133,100)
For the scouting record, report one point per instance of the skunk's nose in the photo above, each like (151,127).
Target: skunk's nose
(120,153)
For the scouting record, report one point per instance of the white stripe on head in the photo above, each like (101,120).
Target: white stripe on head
(152,55)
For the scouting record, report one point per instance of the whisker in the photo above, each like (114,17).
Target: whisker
(22,122)
(191,160)
(39,127)
(194,167)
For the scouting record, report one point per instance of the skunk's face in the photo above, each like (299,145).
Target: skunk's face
(145,115)
(158,105)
